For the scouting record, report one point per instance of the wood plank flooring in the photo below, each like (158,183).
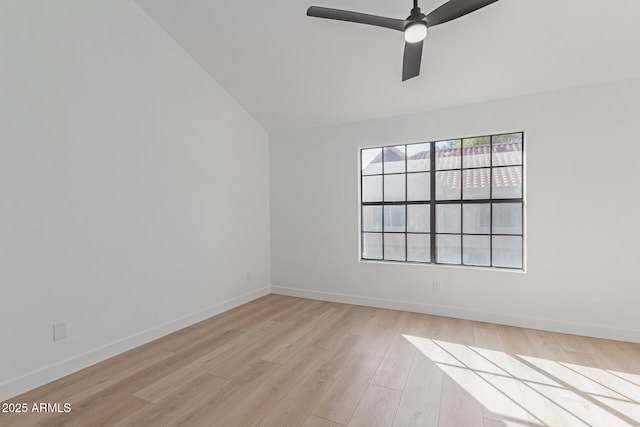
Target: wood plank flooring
(283,361)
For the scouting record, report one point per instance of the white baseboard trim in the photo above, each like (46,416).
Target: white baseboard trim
(24,383)
(574,328)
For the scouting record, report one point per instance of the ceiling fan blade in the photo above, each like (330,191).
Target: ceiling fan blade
(455,9)
(360,18)
(412,59)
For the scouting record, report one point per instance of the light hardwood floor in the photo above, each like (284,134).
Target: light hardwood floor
(283,361)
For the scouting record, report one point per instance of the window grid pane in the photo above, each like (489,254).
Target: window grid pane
(394,247)
(419,247)
(468,192)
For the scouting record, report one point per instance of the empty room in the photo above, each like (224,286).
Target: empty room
(319,213)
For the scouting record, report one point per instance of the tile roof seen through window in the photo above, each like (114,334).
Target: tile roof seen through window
(505,155)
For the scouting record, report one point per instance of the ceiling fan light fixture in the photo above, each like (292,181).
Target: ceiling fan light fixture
(415,32)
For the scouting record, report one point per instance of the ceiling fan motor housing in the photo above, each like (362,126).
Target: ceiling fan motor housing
(416,15)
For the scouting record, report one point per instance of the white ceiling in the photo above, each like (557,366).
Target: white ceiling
(290,71)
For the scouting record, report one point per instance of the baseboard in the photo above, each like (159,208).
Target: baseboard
(574,328)
(16,386)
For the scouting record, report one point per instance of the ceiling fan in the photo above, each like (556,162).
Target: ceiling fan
(414,27)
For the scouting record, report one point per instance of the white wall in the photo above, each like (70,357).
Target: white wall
(583,214)
(133,190)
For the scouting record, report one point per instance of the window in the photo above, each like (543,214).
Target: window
(457,202)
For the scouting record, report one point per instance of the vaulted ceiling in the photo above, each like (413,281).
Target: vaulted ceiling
(290,71)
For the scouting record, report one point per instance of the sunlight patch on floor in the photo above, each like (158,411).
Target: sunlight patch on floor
(524,390)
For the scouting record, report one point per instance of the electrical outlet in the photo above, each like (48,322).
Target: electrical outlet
(59,331)
(436,286)
(249,277)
